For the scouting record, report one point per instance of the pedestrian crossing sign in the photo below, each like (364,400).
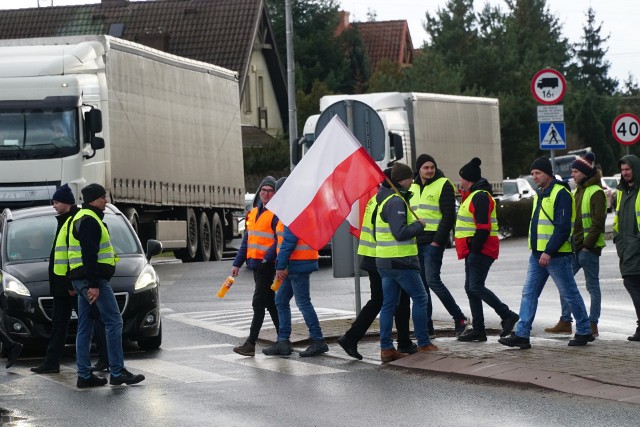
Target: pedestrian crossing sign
(552,136)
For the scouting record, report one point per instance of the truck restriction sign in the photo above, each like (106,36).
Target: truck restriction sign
(626,129)
(548,86)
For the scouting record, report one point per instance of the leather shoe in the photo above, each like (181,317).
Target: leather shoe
(390,355)
(473,335)
(13,354)
(579,340)
(349,347)
(46,369)
(508,324)
(100,366)
(515,341)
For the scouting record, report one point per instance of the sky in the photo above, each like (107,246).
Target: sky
(619,18)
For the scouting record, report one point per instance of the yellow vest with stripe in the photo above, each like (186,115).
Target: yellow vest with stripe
(585,213)
(466,224)
(302,251)
(260,235)
(386,245)
(427,204)
(545,224)
(615,216)
(367,245)
(61,250)
(106,254)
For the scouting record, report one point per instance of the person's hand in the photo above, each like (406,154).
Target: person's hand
(93,294)
(281,274)
(72,293)
(435,244)
(235,271)
(544,260)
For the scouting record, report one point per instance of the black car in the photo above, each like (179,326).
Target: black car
(26,306)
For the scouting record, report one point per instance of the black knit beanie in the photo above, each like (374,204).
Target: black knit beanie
(542,164)
(92,192)
(64,195)
(471,171)
(424,158)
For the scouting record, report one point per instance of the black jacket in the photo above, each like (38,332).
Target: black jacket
(59,285)
(88,232)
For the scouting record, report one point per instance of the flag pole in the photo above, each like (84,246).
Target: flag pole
(403,199)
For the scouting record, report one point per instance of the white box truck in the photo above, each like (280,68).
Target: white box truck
(160,132)
(452,129)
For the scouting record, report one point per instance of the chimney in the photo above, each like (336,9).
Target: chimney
(114,3)
(343,24)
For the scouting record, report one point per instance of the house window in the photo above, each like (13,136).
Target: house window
(246,101)
(260,91)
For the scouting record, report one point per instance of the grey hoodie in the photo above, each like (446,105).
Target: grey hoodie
(627,239)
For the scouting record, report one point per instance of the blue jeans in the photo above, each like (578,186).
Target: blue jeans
(393,280)
(110,316)
(296,285)
(590,264)
(560,270)
(476,269)
(431,264)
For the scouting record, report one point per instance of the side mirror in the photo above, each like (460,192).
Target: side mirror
(154,247)
(97,143)
(395,141)
(93,120)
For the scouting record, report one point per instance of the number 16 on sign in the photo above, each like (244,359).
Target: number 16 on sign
(626,129)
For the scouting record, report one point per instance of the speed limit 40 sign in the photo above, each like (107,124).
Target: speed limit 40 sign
(626,129)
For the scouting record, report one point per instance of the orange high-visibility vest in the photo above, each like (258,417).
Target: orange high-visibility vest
(260,234)
(301,252)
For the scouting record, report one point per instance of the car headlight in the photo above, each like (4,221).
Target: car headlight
(11,285)
(147,279)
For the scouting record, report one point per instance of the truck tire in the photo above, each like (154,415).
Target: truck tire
(188,254)
(204,238)
(217,238)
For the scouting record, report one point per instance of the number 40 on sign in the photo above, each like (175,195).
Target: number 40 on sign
(626,129)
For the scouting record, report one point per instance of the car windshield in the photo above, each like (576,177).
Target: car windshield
(31,239)
(509,188)
(611,182)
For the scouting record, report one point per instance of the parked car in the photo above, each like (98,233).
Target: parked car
(609,185)
(516,189)
(26,305)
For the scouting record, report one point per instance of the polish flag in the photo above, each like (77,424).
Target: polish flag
(357,212)
(320,192)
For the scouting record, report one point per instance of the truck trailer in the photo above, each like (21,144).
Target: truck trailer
(452,129)
(160,132)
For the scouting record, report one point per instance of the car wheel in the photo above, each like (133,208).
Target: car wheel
(151,343)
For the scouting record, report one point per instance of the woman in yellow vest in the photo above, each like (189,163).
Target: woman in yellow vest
(294,264)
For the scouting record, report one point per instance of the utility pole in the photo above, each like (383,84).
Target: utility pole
(291,79)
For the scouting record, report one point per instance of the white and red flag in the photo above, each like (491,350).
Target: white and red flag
(320,192)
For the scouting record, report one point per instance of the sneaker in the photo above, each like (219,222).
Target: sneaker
(515,341)
(125,377)
(13,353)
(579,340)
(473,335)
(390,355)
(508,323)
(46,369)
(316,348)
(427,348)
(246,349)
(460,326)
(92,381)
(280,348)
(349,347)
(562,327)
(409,348)
(100,366)
(594,329)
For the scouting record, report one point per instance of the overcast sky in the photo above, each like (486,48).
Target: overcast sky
(620,20)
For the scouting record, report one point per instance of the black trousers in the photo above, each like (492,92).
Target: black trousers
(63,306)
(263,299)
(372,308)
(4,339)
(632,284)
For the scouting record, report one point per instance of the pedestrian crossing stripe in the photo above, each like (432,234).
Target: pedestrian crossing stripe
(278,364)
(176,372)
(552,136)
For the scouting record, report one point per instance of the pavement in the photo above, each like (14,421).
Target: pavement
(606,368)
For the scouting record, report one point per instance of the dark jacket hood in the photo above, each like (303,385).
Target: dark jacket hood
(634,162)
(482,184)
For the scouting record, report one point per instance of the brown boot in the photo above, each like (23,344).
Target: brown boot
(561,327)
(594,329)
(390,355)
(427,348)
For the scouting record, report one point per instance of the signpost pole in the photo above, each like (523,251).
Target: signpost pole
(356,260)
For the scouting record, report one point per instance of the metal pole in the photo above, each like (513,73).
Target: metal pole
(291,79)
(356,260)
(553,160)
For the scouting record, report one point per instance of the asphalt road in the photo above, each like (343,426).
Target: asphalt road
(196,379)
